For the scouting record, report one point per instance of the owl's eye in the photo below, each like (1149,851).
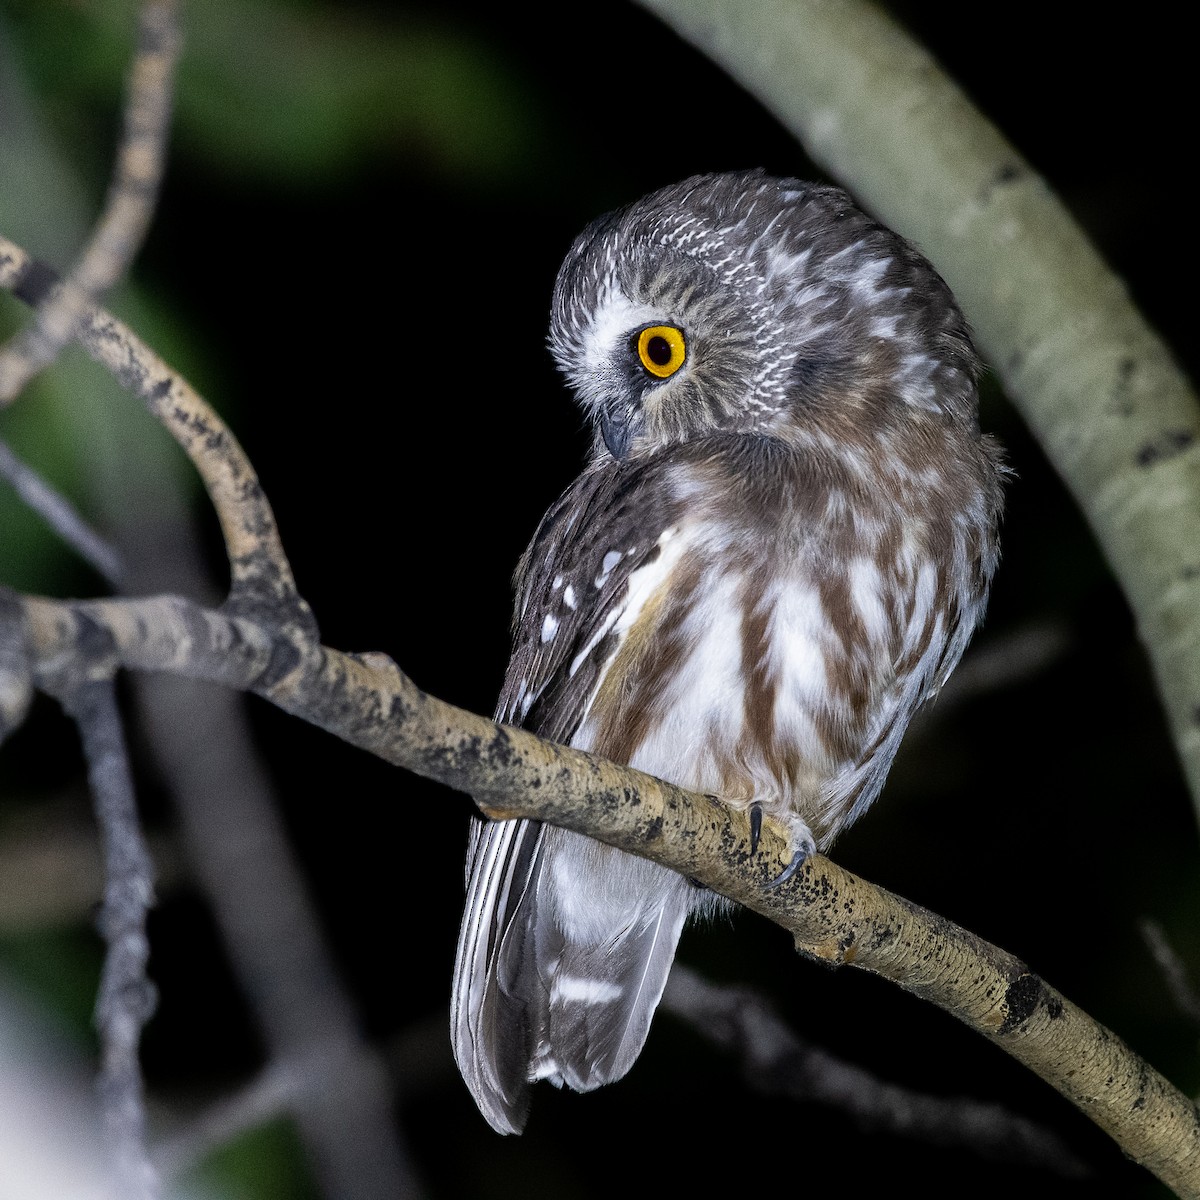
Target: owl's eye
(661,349)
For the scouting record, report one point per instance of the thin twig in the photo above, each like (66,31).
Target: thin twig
(776,1061)
(271,1094)
(133,190)
(61,516)
(126,999)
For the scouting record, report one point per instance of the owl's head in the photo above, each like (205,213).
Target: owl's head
(743,303)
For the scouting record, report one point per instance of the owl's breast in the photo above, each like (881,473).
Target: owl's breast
(776,648)
(723,680)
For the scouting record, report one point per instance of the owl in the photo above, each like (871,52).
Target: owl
(778,549)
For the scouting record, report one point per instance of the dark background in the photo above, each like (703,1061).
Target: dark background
(358,278)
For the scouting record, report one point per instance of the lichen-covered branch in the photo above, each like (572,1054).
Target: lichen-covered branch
(261,578)
(1109,405)
(832,915)
(231,824)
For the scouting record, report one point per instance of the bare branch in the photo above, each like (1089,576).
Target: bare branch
(1108,403)
(126,999)
(131,198)
(261,578)
(59,514)
(773,1059)
(832,915)
(271,1094)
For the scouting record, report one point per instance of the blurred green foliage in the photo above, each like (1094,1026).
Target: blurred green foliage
(264,1163)
(295,93)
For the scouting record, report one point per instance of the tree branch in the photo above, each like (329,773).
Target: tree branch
(774,1060)
(1097,385)
(132,193)
(58,513)
(261,578)
(127,998)
(234,833)
(832,915)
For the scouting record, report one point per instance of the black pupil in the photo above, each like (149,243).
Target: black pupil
(658,350)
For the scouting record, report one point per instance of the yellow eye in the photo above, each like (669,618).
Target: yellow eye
(661,349)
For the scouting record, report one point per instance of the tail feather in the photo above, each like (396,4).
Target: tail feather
(563,955)
(488,1021)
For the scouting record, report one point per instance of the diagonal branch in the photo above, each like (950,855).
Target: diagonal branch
(833,915)
(237,844)
(775,1060)
(58,513)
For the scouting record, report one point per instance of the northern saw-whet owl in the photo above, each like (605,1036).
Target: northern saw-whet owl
(778,550)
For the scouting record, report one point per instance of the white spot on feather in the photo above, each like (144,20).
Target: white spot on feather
(584,991)
(606,567)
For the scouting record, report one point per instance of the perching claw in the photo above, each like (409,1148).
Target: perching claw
(800,836)
(798,860)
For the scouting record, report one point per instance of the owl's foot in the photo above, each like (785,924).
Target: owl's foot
(799,836)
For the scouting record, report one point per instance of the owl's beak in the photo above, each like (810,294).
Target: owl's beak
(617,430)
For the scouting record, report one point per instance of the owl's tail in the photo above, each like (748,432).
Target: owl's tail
(563,955)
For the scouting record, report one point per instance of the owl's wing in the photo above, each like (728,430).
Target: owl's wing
(573,602)
(572,589)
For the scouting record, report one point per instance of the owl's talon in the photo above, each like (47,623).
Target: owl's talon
(798,860)
(801,841)
(755,826)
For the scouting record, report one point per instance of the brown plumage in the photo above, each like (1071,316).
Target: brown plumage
(777,552)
